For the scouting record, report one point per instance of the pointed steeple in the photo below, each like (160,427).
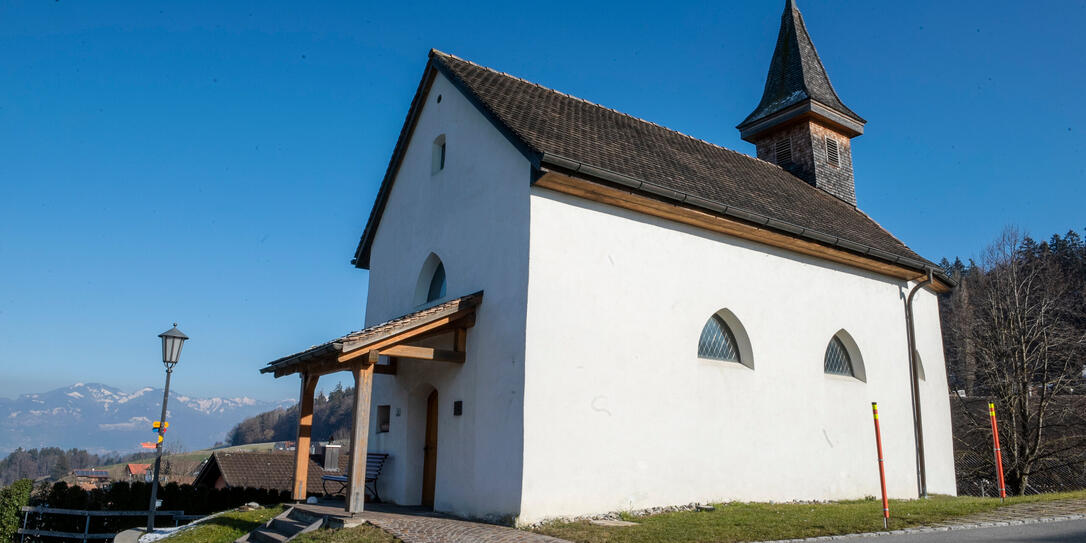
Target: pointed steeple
(801,124)
(797,83)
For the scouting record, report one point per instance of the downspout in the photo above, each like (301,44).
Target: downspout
(914,378)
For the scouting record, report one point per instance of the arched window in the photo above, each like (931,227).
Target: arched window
(843,357)
(717,341)
(838,361)
(437,284)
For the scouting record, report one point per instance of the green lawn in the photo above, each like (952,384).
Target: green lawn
(735,522)
(226,527)
(365,533)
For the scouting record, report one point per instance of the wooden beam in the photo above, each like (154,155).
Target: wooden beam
(635,202)
(460,340)
(364,349)
(360,432)
(305,430)
(424,353)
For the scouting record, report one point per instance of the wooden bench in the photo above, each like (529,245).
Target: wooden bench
(374,463)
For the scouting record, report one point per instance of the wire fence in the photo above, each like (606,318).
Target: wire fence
(974,458)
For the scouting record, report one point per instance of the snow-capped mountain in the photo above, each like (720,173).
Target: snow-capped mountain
(101,418)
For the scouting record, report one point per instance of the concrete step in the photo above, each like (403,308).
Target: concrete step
(303,516)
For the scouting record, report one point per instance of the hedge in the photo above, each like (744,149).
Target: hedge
(11,499)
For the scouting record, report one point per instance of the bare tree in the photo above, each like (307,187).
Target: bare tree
(1028,352)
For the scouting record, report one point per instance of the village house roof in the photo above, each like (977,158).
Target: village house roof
(137,469)
(273,470)
(562,133)
(796,78)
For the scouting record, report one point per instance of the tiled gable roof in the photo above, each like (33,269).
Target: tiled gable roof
(553,123)
(554,129)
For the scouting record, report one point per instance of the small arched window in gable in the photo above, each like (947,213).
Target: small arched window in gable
(438,159)
(717,341)
(838,361)
(437,284)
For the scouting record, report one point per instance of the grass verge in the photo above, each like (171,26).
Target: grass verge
(734,522)
(226,527)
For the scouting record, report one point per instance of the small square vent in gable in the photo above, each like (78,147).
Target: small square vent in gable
(784,151)
(832,153)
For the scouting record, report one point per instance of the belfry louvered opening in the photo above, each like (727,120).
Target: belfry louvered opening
(783,151)
(833,154)
(838,361)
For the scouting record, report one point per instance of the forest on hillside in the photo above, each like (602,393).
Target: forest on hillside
(331,419)
(1014,334)
(50,462)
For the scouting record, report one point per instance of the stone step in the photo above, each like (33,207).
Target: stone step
(267,535)
(288,526)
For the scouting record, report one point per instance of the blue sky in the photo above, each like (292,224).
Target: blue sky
(214,163)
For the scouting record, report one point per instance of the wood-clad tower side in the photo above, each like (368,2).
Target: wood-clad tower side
(801,124)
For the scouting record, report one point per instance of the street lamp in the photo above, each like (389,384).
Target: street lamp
(172,340)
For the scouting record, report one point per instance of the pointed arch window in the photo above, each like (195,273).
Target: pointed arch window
(717,341)
(437,284)
(838,361)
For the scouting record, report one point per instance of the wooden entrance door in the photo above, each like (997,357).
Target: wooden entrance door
(429,462)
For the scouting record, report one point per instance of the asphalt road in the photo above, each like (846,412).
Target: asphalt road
(1068,531)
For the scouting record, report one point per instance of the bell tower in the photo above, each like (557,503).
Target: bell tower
(801,124)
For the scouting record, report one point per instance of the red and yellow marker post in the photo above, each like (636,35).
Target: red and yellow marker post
(998,453)
(882,467)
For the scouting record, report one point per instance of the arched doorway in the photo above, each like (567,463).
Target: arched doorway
(429,461)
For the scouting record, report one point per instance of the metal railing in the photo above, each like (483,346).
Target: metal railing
(177,516)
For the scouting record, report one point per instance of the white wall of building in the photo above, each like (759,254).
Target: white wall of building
(620,413)
(474,216)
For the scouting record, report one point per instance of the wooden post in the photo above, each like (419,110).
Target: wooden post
(360,432)
(305,430)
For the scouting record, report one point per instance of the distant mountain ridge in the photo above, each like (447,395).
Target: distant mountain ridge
(101,418)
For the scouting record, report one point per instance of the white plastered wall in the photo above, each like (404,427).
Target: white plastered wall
(620,413)
(474,216)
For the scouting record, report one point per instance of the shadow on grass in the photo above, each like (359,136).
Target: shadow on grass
(233,523)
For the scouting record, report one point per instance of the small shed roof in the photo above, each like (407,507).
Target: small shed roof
(91,473)
(377,334)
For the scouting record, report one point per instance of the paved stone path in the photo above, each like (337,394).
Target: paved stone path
(435,529)
(418,525)
(1012,515)
(1022,512)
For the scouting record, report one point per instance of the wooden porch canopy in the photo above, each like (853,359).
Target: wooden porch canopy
(359,353)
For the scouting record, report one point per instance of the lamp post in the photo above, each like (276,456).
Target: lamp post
(172,340)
